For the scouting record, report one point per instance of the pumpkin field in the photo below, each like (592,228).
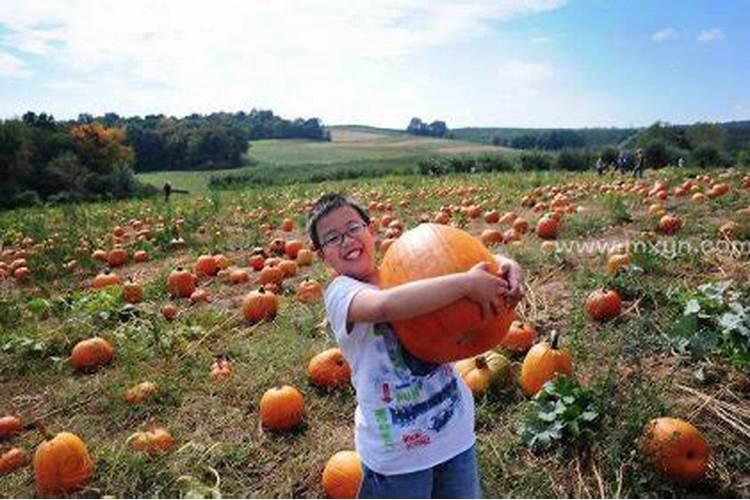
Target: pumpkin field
(644,283)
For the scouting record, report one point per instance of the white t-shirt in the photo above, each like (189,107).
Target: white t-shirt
(411,415)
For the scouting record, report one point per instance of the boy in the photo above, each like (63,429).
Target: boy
(414,422)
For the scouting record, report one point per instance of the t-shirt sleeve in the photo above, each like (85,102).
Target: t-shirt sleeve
(338,297)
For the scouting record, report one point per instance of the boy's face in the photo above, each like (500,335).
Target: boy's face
(354,255)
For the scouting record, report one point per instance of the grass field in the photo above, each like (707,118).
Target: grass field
(350,147)
(633,368)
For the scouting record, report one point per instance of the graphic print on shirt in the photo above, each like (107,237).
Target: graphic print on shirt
(419,398)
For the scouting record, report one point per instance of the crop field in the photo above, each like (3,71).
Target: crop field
(679,345)
(349,146)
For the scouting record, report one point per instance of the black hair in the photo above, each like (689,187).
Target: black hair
(325,205)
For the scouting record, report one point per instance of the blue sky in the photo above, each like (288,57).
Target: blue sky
(531,63)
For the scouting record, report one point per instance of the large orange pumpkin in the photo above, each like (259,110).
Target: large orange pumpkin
(454,332)
(91,352)
(282,408)
(106,278)
(309,291)
(329,369)
(342,475)
(61,465)
(602,305)
(542,363)
(677,448)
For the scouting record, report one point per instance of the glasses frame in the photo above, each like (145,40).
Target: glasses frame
(351,231)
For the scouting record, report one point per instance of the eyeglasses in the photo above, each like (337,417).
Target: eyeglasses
(334,239)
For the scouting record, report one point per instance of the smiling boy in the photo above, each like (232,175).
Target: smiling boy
(414,422)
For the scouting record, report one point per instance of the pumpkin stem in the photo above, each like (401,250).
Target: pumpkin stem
(43,429)
(554,338)
(481,362)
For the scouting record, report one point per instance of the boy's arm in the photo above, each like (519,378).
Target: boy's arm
(424,296)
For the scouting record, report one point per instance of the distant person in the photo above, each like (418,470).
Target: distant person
(622,162)
(167,191)
(639,163)
(599,166)
(681,162)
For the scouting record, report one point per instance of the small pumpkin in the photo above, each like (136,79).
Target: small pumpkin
(287,225)
(270,274)
(106,278)
(9,425)
(342,475)
(603,305)
(305,257)
(62,464)
(292,248)
(181,283)
(132,292)
(484,372)
(491,237)
(221,368)
(329,369)
(91,353)
(282,408)
(154,442)
(670,224)
(520,337)
(206,266)
(140,256)
(547,228)
(169,311)
(200,296)
(237,276)
(259,305)
(617,262)
(117,257)
(222,261)
(140,392)
(309,291)
(543,361)
(11,460)
(677,448)
(288,267)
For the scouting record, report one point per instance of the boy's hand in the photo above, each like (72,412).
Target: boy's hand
(511,271)
(485,288)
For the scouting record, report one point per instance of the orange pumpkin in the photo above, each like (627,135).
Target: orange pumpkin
(221,369)
(305,257)
(105,279)
(617,262)
(206,266)
(677,448)
(181,283)
(521,225)
(670,224)
(61,465)
(200,296)
(288,267)
(309,291)
(329,369)
(282,408)
(342,475)
(169,311)
(520,337)
(9,425)
(454,332)
(140,256)
(602,305)
(287,225)
(292,248)
(99,255)
(117,257)
(259,306)
(491,217)
(239,276)
(486,371)
(547,228)
(490,237)
(132,292)
(91,353)
(154,442)
(13,459)
(542,363)
(270,274)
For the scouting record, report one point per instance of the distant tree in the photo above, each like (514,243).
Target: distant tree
(100,148)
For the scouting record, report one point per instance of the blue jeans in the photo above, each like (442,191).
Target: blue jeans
(454,478)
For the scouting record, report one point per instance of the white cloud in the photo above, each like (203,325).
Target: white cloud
(13,67)
(337,60)
(711,36)
(523,78)
(664,35)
